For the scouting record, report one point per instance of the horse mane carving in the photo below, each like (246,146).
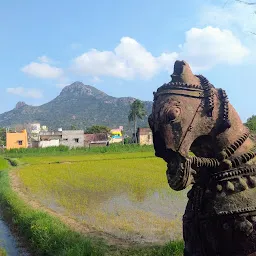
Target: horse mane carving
(190,115)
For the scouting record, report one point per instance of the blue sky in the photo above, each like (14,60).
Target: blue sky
(125,48)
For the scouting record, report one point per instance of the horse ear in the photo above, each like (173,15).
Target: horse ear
(182,73)
(178,67)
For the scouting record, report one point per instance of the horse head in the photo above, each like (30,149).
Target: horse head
(190,115)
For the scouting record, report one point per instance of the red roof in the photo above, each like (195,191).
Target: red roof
(95,137)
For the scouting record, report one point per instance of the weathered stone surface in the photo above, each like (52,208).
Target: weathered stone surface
(190,114)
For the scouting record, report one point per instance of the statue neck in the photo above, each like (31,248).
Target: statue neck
(210,146)
(236,131)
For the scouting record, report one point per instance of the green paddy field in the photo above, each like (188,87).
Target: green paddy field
(122,196)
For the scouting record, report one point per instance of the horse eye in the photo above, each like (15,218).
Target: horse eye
(173,114)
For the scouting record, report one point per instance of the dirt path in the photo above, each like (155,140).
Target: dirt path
(70,222)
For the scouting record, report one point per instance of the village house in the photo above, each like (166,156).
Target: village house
(72,138)
(39,137)
(95,140)
(116,135)
(48,139)
(33,131)
(144,136)
(16,139)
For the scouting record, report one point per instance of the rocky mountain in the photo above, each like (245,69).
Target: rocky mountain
(79,105)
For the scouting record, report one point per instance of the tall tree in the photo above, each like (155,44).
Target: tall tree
(98,129)
(251,123)
(72,127)
(137,110)
(2,136)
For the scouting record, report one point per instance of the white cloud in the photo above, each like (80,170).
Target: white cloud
(233,15)
(203,48)
(25,92)
(44,59)
(42,70)
(96,79)
(207,47)
(128,60)
(166,60)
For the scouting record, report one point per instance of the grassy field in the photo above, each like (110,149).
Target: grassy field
(3,252)
(125,194)
(3,164)
(44,234)
(87,158)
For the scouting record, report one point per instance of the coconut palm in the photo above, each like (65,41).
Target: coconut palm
(137,110)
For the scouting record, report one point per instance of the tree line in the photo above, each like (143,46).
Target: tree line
(137,111)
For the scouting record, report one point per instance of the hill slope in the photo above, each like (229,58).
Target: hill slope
(78,104)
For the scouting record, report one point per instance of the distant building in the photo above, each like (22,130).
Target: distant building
(35,128)
(50,135)
(72,138)
(45,143)
(145,136)
(48,139)
(16,139)
(33,132)
(95,140)
(116,135)
(44,128)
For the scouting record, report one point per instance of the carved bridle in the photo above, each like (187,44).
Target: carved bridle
(205,93)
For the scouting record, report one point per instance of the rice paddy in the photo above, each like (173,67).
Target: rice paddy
(124,194)
(3,164)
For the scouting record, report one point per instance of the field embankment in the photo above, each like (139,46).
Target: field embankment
(123,197)
(45,234)
(3,164)
(64,150)
(9,244)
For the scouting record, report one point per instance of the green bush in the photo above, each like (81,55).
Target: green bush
(115,148)
(3,164)
(3,252)
(13,161)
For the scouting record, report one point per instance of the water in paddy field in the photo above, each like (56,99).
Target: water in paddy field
(148,218)
(153,218)
(9,242)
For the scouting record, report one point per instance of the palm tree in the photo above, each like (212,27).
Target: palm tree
(137,110)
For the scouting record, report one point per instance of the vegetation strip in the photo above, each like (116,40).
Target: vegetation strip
(3,252)
(47,235)
(12,161)
(3,164)
(17,153)
(95,160)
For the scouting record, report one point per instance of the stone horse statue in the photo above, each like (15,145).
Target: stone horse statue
(190,115)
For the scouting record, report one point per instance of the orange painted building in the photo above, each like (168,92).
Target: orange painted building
(16,139)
